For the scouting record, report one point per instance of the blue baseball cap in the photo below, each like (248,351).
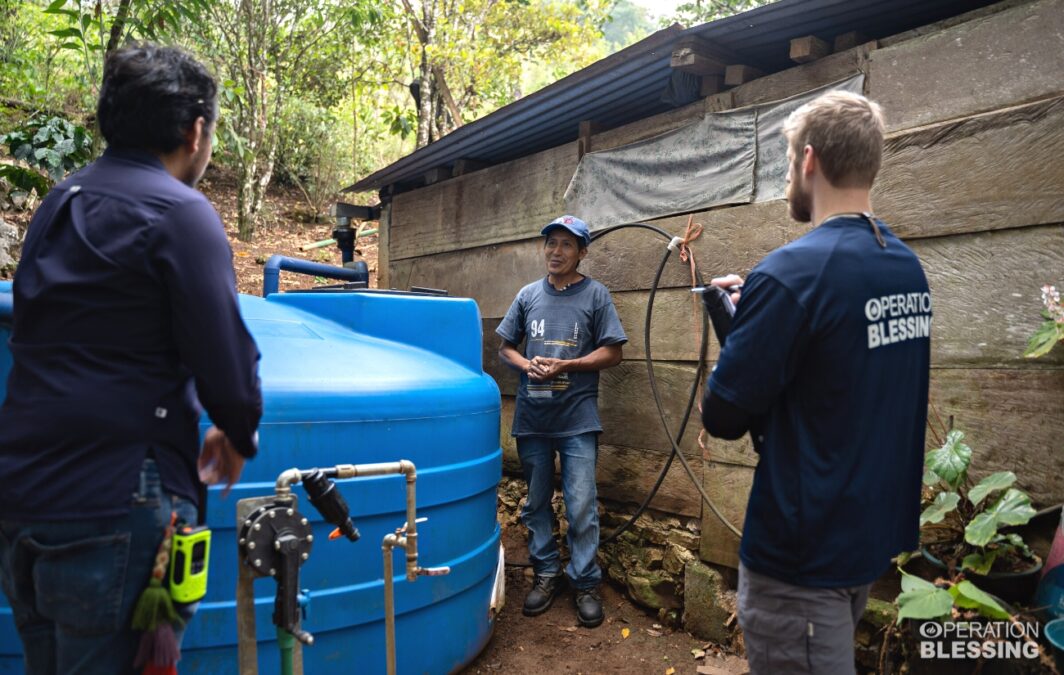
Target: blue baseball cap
(576,226)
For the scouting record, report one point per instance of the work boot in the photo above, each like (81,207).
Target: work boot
(544,589)
(589,607)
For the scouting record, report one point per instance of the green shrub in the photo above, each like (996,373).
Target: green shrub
(49,148)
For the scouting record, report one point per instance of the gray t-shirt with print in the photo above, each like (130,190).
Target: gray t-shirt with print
(565,325)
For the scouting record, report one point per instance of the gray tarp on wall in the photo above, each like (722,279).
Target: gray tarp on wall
(733,157)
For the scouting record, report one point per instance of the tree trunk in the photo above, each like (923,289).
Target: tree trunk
(117,27)
(425,27)
(244,220)
(424,113)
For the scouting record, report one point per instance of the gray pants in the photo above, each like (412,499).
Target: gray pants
(798,629)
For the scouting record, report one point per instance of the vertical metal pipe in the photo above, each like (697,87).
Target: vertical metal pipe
(390,541)
(411,519)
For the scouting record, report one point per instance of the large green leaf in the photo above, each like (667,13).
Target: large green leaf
(944,503)
(981,529)
(968,595)
(927,603)
(992,483)
(913,583)
(980,563)
(951,461)
(1012,508)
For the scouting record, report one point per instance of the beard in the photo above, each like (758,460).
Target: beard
(799,201)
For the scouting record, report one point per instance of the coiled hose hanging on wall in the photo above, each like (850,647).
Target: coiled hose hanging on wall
(655,393)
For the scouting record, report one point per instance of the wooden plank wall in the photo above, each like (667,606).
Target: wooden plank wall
(973,179)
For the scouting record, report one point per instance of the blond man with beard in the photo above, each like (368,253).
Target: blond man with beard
(827,367)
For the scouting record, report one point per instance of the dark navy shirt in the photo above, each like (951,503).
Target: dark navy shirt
(563,324)
(829,351)
(125,308)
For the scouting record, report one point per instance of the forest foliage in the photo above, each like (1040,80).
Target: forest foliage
(313,93)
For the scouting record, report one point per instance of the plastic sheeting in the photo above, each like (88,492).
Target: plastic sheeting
(733,157)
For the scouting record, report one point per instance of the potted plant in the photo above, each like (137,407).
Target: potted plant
(962,524)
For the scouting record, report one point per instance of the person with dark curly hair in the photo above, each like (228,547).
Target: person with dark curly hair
(125,321)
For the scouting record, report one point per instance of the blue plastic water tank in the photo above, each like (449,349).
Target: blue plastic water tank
(349,378)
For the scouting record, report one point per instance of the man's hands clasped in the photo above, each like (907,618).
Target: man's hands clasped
(545,368)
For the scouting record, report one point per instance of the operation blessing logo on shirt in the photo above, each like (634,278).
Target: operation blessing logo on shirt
(899,317)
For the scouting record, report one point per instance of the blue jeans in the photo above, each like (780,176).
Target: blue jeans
(72,585)
(578,454)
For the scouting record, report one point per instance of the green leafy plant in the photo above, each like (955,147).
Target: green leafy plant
(51,145)
(921,599)
(1052,329)
(961,522)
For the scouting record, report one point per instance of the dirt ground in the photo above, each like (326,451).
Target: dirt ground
(629,641)
(286,225)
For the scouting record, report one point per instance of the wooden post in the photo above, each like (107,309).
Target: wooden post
(699,57)
(737,74)
(384,227)
(711,84)
(808,48)
(587,130)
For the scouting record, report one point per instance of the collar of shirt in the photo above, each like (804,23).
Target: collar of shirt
(136,156)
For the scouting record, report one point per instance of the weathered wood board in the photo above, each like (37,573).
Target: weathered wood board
(728,486)
(676,325)
(384,258)
(491,275)
(649,127)
(629,415)
(951,21)
(500,203)
(627,475)
(986,294)
(983,64)
(988,172)
(1013,422)
(803,78)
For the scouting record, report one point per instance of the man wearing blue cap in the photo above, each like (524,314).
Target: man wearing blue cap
(571,332)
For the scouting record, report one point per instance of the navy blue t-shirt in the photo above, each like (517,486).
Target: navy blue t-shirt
(564,324)
(830,350)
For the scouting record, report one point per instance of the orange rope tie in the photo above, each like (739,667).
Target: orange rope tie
(694,231)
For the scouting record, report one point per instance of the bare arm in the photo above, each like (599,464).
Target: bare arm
(512,357)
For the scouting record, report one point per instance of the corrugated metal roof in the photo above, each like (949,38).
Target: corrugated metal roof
(628,85)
